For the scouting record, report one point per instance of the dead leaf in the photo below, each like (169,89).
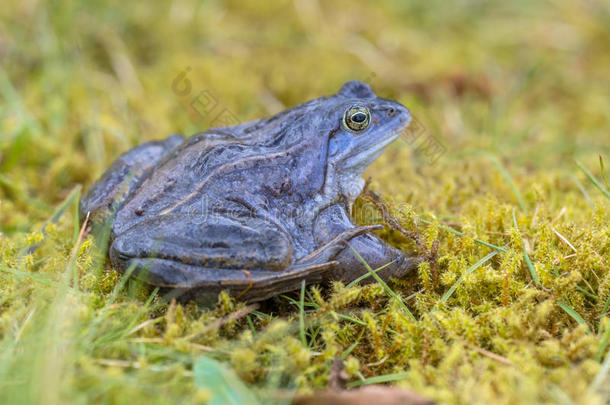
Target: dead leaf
(337,378)
(371,394)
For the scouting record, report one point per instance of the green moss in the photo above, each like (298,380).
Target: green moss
(514,91)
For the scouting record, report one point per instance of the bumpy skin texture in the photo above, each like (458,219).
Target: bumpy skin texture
(122,176)
(253,209)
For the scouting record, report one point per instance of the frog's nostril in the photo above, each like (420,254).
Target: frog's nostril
(391,112)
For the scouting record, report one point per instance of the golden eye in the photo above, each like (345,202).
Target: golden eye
(356,118)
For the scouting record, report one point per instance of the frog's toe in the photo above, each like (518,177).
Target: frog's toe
(404,265)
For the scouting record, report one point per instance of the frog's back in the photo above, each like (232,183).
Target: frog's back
(197,171)
(191,177)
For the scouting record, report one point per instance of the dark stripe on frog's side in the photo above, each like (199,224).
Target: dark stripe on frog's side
(123,177)
(218,171)
(207,155)
(314,185)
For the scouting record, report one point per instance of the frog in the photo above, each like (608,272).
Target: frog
(256,209)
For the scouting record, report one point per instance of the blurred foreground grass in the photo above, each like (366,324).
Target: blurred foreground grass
(514,91)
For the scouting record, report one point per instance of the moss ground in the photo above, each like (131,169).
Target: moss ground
(512,306)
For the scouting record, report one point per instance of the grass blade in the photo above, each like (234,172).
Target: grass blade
(602,375)
(472,268)
(583,191)
(526,257)
(573,314)
(27,275)
(387,289)
(364,276)
(302,315)
(604,312)
(33,202)
(603,170)
(352,347)
(494,160)
(603,344)
(458,233)
(226,388)
(74,196)
(380,379)
(593,179)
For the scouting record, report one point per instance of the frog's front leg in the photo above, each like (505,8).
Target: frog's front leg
(333,221)
(329,250)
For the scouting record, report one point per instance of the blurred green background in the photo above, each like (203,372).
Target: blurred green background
(84,81)
(514,91)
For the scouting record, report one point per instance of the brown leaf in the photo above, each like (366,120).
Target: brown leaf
(371,394)
(337,378)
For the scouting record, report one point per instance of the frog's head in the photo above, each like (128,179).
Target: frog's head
(342,134)
(366,125)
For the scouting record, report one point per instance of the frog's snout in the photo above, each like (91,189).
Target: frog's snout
(392,110)
(403,112)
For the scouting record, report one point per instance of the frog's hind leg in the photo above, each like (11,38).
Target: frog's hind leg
(201,255)
(122,177)
(189,282)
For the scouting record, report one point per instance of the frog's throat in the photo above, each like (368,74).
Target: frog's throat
(351,187)
(342,186)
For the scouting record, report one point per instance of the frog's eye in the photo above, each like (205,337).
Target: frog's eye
(356,118)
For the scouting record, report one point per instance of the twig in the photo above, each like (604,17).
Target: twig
(491,355)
